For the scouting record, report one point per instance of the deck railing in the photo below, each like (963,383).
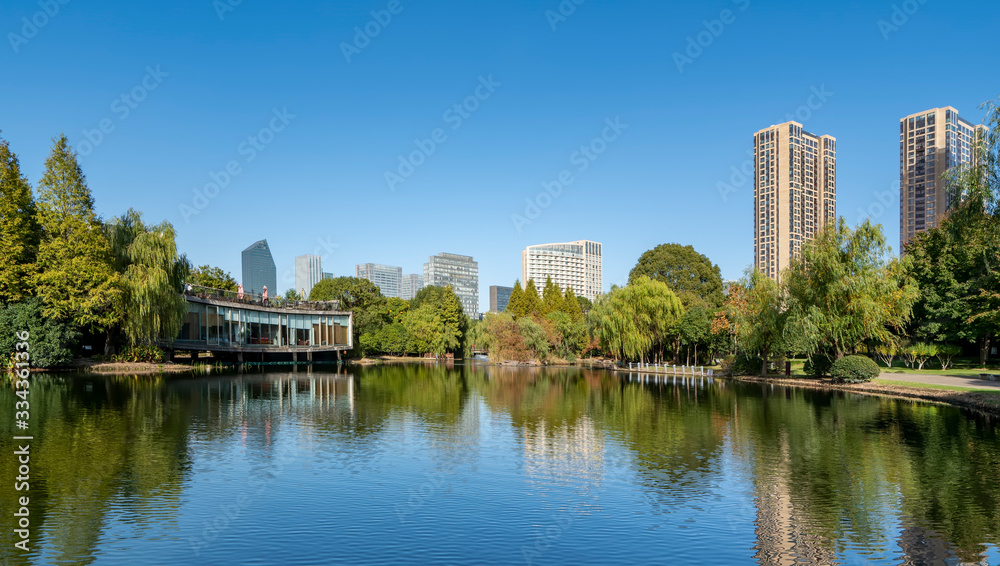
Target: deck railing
(247,298)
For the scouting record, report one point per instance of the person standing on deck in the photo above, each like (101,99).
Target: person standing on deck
(239,292)
(264,296)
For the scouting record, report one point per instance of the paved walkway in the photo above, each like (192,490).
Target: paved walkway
(942,380)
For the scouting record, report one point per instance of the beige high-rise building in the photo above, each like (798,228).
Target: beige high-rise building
(795,192)
(571,265)
(930,143)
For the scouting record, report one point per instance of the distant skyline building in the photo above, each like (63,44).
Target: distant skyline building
(459,271)
(571,265)
(411,285)
(327,275)
(795,192)
(308,272)
(930,144)
(259,269)
(499,298)
(388,278)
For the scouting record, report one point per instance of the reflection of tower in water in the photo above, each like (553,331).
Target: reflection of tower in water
(563,454)
(784,534)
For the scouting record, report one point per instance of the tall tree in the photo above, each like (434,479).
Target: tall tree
(360,296)
(846,289)
(630,321)
(552,300)
(436,320)
(689,274)
(571,306)
(152,278)
(532,301)
(19,230)
(515,307)
(758,314)
(214,278)
(76,279)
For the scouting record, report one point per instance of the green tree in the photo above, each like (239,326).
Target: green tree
(689,274)
(552,299)
(152,276)
(451,324)
(76,279)
(585,305)
(51,340)
(213,278)
(19,231)
(571,306)
(532,304)
(515,306)
(696,330)
(292,295)
(846,289)
(759,315)
(359,296)
(630,321)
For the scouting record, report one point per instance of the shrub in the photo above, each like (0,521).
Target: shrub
(854,369)
(143,353)
(818,365)
(51,342)
(742,365)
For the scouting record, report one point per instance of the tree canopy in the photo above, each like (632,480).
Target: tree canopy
(690,275)
(19,231)
(76,279)
(213,278)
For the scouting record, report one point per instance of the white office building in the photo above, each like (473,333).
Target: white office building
(571,265)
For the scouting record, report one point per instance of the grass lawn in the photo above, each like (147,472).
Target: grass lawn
(966,370)
(931,386)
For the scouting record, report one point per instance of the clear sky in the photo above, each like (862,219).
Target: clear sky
(309,114)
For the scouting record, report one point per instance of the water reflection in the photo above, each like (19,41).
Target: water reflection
(548,466)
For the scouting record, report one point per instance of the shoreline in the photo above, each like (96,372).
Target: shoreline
(988,403)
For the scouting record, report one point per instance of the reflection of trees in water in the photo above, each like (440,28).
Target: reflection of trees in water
(109,449)
(832,474)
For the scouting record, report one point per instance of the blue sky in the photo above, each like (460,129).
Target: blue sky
(186,89)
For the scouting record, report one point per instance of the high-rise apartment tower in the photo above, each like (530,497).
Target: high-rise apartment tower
(795,192)
(930,143)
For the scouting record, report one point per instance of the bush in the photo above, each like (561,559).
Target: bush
(854,369)
(742,365)
(144,353)
(818,365)
(51,342)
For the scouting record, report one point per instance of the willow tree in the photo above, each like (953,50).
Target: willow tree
(76,280)
(152,278)
(630,321)
(18,230)
(846,289)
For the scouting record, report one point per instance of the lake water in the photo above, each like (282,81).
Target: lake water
(478,465)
